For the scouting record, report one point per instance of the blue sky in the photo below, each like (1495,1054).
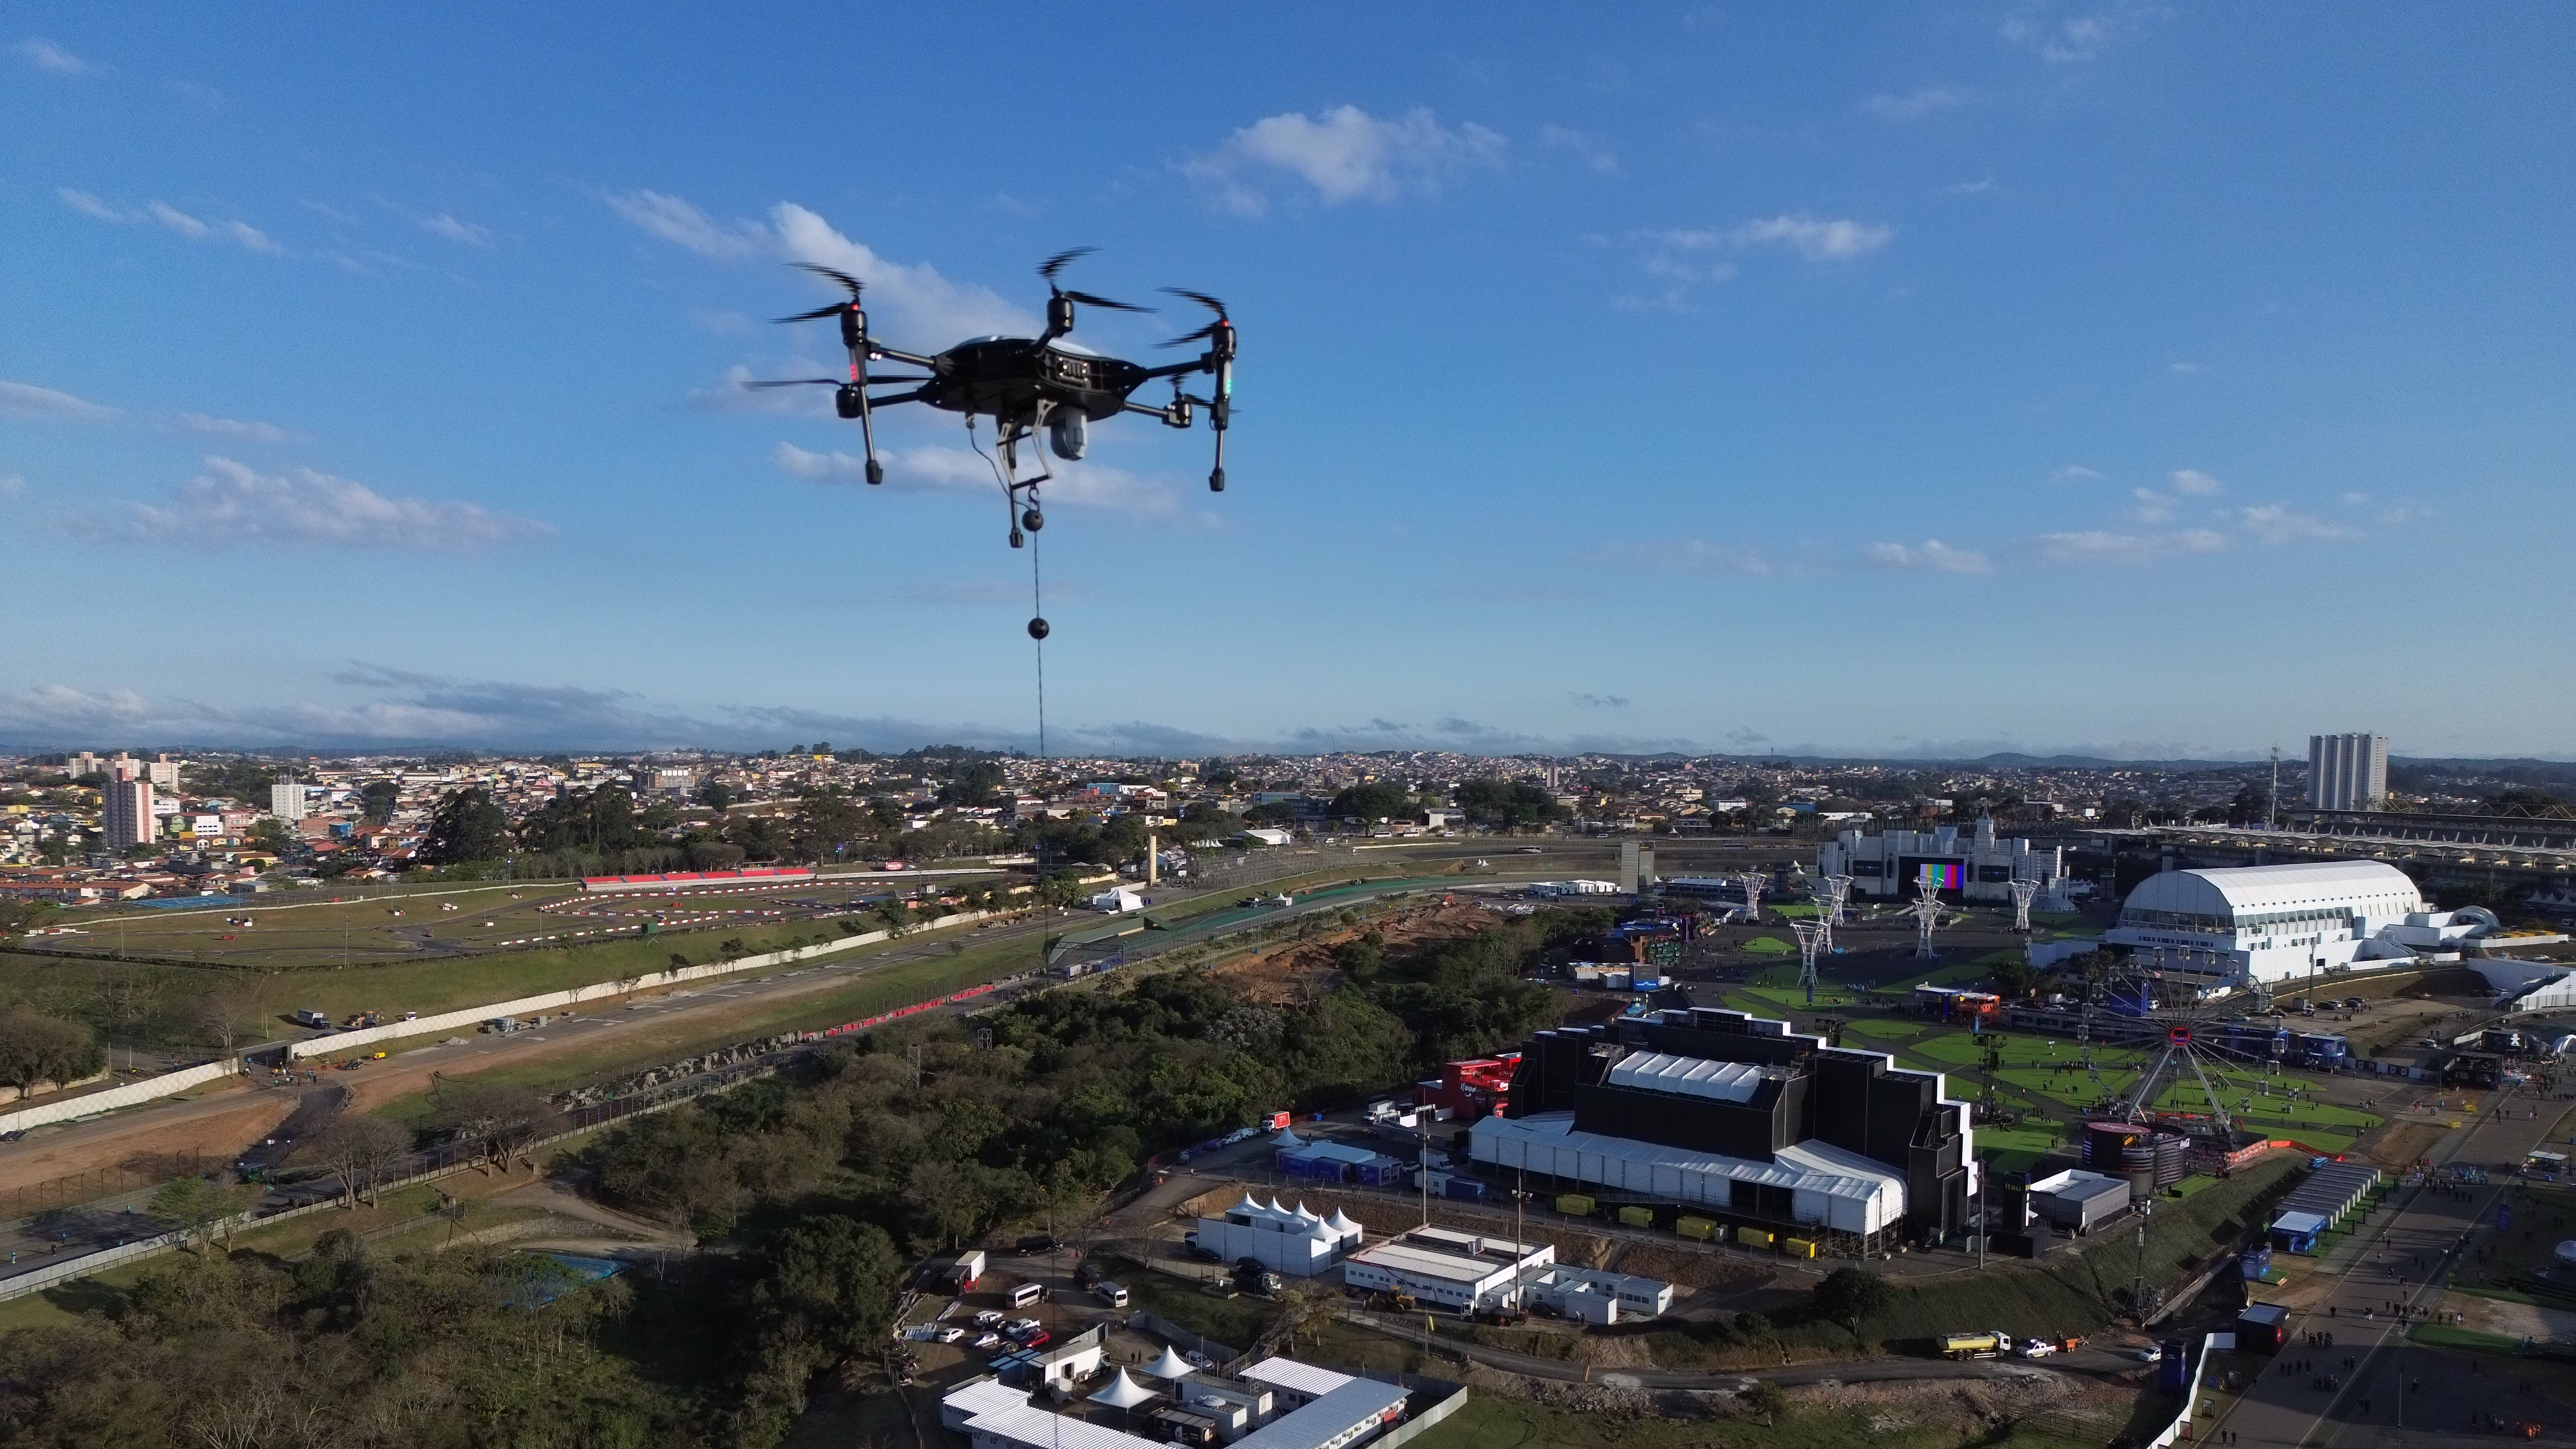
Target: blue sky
(1888,380)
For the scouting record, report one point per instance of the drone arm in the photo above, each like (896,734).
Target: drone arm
(901,397)
(876,350)
(1206,363)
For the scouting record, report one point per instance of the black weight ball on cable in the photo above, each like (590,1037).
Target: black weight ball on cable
(1037,628)
(1033,520)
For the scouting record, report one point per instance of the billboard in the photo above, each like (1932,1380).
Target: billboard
(1947,871)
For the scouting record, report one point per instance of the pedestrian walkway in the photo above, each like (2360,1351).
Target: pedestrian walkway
(2348,1375)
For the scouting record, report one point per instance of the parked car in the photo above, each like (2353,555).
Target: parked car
(949,1335)
(1037,1338)
(989,1318)
(2035,1348)
(2152,1353)
(1018,1326)
(988,1341)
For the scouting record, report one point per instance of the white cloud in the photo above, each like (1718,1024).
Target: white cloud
(2063,39)
(1913,105)
(2355,500)
(452,229)
(88,205)
(906,302)
(1686,556)
(161,213)
(2100,546)
(1978,187)
(236,429)
(1597,701)
(230,503)
(2186,369)
(2075,473)
(26,400)
(2194,482)
(1346,155)
(46,56)
(2275,524)
(1933,555)
(957,470)
(1816,239)
(2152,507)
(1594,152)
(680,223)
(13,485)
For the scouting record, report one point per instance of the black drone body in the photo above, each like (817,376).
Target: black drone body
(1027,384)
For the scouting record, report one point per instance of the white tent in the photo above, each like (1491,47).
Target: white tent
(1123,1393)
(1287,1139)
(1170,1366)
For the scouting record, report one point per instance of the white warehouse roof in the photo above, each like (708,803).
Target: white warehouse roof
(2224,892)
(1694,1076)
(1832,1185)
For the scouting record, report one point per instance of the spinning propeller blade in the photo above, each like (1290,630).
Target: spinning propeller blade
(1055,264)
(835,310)
(845,279)
(1204,300)
(1089,300)
(799,382)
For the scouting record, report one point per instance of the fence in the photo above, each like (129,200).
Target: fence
(2181,1426)
(65,1109)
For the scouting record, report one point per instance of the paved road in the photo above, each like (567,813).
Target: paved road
(2391,1262)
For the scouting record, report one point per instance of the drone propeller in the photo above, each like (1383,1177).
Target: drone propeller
(1056,263)
(1210,330)
(845,279)
(827,381)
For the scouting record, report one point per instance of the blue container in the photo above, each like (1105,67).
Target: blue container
(2173,1371)
(2253,1263)
(1466,1189)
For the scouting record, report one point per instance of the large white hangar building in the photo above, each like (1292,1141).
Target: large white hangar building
(2275,922)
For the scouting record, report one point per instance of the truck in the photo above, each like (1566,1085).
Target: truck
(1991,1343)
(313,1018)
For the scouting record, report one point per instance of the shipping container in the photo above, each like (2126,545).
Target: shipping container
(1466,1189)
(1637,1217)
(1575,1205)
(1753,1237)
(1700,1228)
(1798,1247)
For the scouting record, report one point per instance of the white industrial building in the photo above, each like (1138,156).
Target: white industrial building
(1283,1240)
(2348,772)
(1978,866)
(1278,1404)
(1590,1295)
(2270,923)
(1827,1186)
(1462,1272)
(286,800)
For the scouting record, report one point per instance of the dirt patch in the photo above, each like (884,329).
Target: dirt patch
(2513,1320)
(218,1127)
(2397,1143)
(1959,1404)
(1685,1269)
(1296,972)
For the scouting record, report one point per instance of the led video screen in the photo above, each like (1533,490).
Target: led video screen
(1949,873)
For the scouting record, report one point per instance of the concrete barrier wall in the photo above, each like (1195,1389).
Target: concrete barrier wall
(167,1084)
(1448,1405)
(2181,1426)
(574,996)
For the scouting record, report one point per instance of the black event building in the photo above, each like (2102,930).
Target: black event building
(1737,1119)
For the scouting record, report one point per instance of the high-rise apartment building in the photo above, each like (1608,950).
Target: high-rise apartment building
(163,772)
(286,800)
(126,818)
(2347,772)
(86,763)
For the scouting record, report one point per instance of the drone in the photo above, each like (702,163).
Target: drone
(1027,384)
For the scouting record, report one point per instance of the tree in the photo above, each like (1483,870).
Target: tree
(36,1050)
(502,1119)
(196,1207)
(272,835)
(1766,1398)
(378,798)
(360,1151)
(1504,805)
(826,821)
(466,826)
(17,917)
(1851,1296)
(1376,800)
(974,784)
(220,1012)
(716,795)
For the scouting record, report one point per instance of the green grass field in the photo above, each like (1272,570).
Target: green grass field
(1486,1422)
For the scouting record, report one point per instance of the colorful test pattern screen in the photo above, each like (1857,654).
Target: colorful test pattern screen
(1949,875)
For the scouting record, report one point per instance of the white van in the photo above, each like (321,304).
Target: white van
(1026,1294)
(1111,1294)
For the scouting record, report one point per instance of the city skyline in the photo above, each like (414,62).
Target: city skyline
(2098,380)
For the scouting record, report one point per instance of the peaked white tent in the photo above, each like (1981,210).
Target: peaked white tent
(1171,1366)
(1123,1393)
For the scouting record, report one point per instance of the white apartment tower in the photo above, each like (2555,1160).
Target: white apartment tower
(286,799)
(163,772)
(2347,772)
(126,818)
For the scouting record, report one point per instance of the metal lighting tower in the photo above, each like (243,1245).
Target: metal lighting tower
(1831,892)
(1810,934)
(1927,914)
(2023,893)
(1753,882)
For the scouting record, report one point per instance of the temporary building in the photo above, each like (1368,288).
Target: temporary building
(1170,1366)
(1123,1392)
(2297,1232)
